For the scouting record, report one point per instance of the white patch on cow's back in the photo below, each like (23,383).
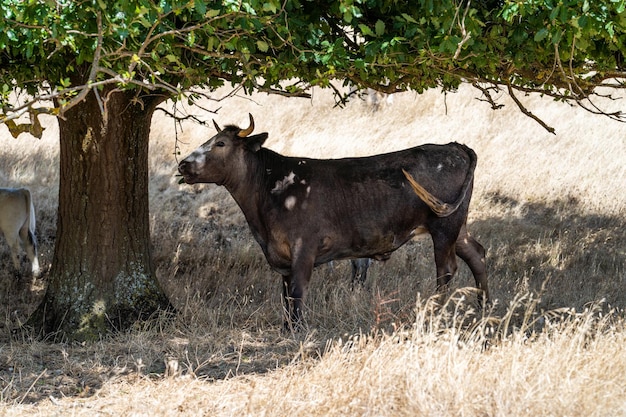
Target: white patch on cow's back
(439,167)
(290,202)
(282,185)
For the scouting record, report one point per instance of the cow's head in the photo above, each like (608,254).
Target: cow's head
(222,156)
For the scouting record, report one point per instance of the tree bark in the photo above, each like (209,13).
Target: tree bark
(102,277)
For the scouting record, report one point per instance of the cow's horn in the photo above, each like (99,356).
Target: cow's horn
(246,132)
(217,127)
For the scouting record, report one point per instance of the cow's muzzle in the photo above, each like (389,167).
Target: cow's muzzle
(186,170)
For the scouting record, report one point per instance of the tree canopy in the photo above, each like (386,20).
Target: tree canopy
(57,51)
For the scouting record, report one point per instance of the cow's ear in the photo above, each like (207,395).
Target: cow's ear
(255,142)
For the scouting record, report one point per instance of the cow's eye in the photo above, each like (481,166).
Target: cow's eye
(219,144)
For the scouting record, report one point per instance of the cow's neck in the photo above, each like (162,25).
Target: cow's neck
(249,191)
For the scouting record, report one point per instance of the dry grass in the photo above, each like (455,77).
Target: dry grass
(549,209)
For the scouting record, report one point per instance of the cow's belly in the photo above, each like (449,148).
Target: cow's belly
(375,246)
(327,245)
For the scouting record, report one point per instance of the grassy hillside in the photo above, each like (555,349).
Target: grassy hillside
(550,209)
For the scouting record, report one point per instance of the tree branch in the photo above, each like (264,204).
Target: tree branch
(464,32)
(528,112)
(487,93)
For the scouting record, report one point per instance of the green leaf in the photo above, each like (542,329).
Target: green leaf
(11,35)
(200,6)
(262,45)
(380,28)
(610,27)
(212,42)
(408,18)
(365,30)
(541,35)
(585,6)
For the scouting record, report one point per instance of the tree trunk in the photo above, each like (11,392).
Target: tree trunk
(102,277)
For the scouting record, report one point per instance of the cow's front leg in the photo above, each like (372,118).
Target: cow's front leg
(14,245)
(295,287)
(288,307)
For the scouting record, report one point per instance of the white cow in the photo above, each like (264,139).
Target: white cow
(17,223)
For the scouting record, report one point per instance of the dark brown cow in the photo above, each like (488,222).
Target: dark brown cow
(305,212)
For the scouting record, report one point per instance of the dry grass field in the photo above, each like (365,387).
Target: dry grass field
(550,209)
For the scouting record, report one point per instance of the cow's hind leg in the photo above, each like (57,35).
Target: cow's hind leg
(359,271)
(473,254)
(445,261)
(29,242)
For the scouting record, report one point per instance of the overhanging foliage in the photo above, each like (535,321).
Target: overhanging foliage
(57,51)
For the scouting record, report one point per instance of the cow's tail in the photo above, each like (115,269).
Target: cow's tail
(31,233)
(439,207)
